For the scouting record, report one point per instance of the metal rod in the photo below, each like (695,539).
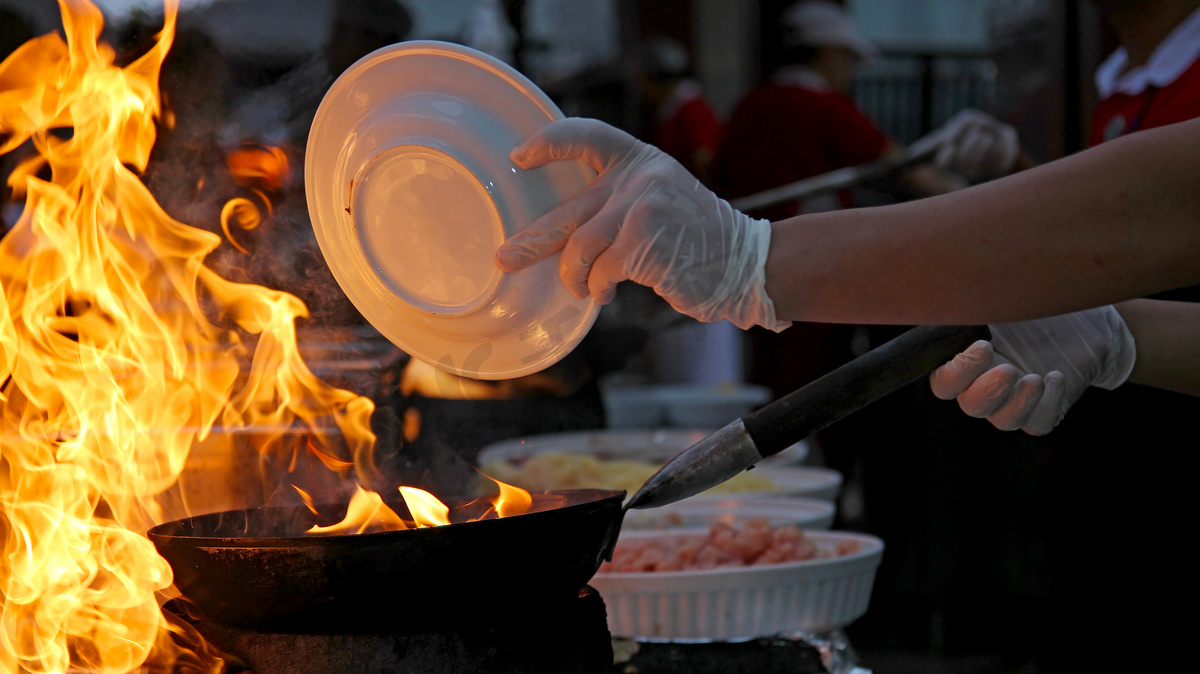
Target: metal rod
(921,150)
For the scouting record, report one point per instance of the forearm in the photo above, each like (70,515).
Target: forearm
(1109,224)
(1167,337)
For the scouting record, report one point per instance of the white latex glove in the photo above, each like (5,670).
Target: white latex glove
(978,146)
(644,218)
(1033,371)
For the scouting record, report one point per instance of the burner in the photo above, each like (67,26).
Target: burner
(567,637)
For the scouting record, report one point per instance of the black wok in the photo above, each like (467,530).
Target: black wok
(257,568)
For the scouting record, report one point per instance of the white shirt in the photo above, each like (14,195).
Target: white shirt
(1173,56)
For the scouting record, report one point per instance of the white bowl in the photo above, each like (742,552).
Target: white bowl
(411,191)
(633,407)
(738,604)
(698,516)
(711,406)
(656,447)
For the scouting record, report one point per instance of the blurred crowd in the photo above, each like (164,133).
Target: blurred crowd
(994,538)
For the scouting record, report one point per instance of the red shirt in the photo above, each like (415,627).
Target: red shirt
(688,126)
(781,133)
(1121,113)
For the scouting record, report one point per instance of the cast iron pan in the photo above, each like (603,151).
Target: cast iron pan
(256,568)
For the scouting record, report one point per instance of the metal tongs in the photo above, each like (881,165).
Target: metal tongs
(923,149)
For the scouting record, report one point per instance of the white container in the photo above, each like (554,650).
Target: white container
(710,406)
(655,447)
(699,515)
(739,604)
(628,407)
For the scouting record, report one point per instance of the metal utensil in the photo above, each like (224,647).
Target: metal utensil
(923,149)
(745,442)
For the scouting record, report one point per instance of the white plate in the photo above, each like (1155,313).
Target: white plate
(654,447)
(411,191)
(696,516)
(738,604)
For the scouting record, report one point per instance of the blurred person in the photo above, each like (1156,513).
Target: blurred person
(802,122)
(684,123)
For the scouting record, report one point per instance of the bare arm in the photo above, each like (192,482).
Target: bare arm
(1115,222)
(1168,344)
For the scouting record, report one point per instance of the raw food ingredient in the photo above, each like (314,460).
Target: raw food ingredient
(725,546)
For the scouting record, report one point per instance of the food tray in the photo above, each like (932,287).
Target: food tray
(738,604)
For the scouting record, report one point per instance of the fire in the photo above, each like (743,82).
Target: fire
(426,510)
(259,166)
(118,349)
(367,514)
(511,500)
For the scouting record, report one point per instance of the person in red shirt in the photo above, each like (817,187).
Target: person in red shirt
(685,125)
(799,123)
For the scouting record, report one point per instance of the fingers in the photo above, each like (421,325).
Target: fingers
(582,250)
(592,141)
(951,379)
(549,233)
(991,390)
(1023,398)
(1051,408)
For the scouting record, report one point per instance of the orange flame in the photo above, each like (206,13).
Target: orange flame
(259,166)
(367,514)
(110,367)
(511,500)
(308,502)
(426,509)
(242,212)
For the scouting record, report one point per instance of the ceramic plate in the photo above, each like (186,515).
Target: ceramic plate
(411,191)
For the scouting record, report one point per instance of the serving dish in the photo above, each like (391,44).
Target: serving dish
(624,459)
(699,515)
(411,191)
(738,604)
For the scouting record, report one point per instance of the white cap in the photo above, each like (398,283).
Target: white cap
(818,23)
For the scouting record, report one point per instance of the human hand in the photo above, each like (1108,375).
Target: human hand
(1031,372)
(978,146)
(646,219)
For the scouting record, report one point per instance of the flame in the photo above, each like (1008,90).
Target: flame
(119,348)
(242,212)
(367,514)
(308,502)
(426,509)
(259,166)
(511,500)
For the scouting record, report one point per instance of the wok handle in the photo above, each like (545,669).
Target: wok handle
(857,384)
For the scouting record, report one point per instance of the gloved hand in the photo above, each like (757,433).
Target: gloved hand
(1033,371)
(646,219)
(978,146)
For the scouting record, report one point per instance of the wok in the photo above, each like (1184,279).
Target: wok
(257,568)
